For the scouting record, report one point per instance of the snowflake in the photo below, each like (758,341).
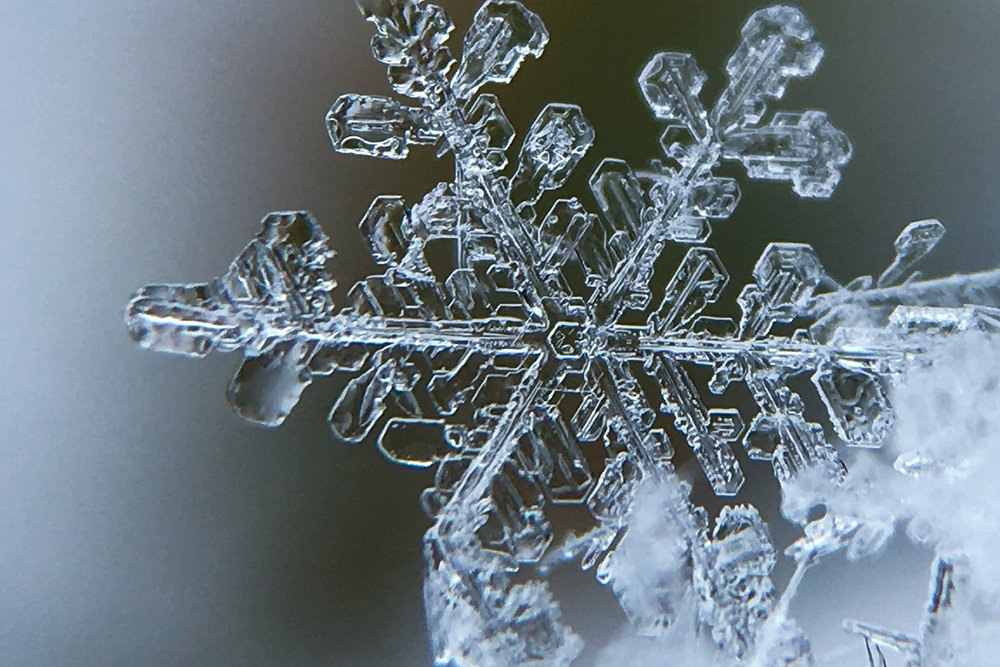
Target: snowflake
(524,392)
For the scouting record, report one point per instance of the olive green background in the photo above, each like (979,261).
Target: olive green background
(141,523)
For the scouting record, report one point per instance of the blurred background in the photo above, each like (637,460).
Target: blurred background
(141,522)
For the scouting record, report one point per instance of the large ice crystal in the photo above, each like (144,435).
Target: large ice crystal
(524,391)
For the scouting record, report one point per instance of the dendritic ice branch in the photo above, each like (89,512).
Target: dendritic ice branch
(524,393)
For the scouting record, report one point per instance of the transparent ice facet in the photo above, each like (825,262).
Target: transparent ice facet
(696,284)
(502,35)
(912,244)
(279,282)
(803,148)
(857,404)
(785,276)
(377,127)
(556,141)
(778,44)
(670,82)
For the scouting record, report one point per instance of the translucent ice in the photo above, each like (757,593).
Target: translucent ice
(523,391)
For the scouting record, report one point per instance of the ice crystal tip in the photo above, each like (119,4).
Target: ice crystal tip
(522,391)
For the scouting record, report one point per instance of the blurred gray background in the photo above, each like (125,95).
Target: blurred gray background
(141,523)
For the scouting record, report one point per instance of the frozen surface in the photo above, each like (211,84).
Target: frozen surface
(518,375)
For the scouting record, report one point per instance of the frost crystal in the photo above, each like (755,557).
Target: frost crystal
(524,393)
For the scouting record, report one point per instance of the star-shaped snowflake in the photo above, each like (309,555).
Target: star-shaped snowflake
(523,392)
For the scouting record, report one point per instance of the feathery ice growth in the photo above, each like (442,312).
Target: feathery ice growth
(518,378)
